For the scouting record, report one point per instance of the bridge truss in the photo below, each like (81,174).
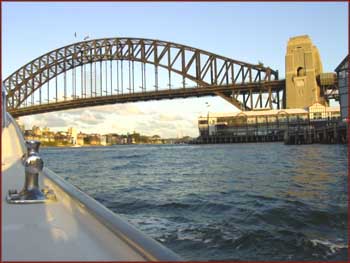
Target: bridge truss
(119,70)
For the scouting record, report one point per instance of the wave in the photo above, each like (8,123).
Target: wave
(328,245)
(285,245)
(131,156)
(128,165)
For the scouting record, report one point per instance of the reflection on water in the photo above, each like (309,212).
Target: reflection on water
(311,177)
(222,202)
(316,173)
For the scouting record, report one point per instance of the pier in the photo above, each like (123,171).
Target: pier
(330,132)
(289,132)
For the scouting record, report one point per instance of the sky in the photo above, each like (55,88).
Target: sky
(249,32)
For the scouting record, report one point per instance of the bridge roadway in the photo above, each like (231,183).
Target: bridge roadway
(252,88)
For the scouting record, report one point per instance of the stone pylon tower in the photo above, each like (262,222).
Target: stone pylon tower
(303,65)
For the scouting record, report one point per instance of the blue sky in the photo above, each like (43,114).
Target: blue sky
(249,32)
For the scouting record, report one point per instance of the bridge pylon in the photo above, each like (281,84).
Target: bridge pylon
(303,65)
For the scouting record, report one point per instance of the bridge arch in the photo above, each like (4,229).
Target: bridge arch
(204,68)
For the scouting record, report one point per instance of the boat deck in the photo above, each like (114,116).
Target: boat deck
(56,230)
(60,230)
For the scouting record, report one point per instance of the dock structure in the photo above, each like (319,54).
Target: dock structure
(329,132)
(294,132)
(238,139)
(314,124)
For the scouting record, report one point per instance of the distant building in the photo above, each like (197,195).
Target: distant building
(47,135)
(103,140)
(342,72)
(263,122)
(155,139)
(117,139)
(113,138)
(130,139)
(124,139)
(93,139)
(29,135)
(80,138)
(72,132)
(61,137)
(36,130)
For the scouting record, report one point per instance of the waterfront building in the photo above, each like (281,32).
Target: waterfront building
(264,122)
(257,122)
(130,139)
(61,137)
(47,135)
(29,135)
(103,140)
(124,139)
(80,138)
(155,139)
(109,139)
(320,112)
(93,139)
(342,73)
(113,138)
(72,132)
(36,130)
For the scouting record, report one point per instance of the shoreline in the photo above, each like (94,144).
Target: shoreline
(81,146)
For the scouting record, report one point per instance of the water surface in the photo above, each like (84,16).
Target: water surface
(266,201)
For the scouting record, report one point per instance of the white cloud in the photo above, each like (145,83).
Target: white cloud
(122,109)
(167,118)
(45,120)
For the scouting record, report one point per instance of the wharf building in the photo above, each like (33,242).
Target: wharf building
(263,125)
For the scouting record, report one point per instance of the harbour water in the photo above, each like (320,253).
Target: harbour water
(258,201)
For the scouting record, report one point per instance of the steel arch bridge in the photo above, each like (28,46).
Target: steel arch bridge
(108,71)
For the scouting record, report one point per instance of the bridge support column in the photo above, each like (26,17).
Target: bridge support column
(303,64)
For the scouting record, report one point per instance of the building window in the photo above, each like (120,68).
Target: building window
(317,115)
(343,74)
(301,72)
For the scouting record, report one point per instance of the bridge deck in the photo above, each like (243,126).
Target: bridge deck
(146,96)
